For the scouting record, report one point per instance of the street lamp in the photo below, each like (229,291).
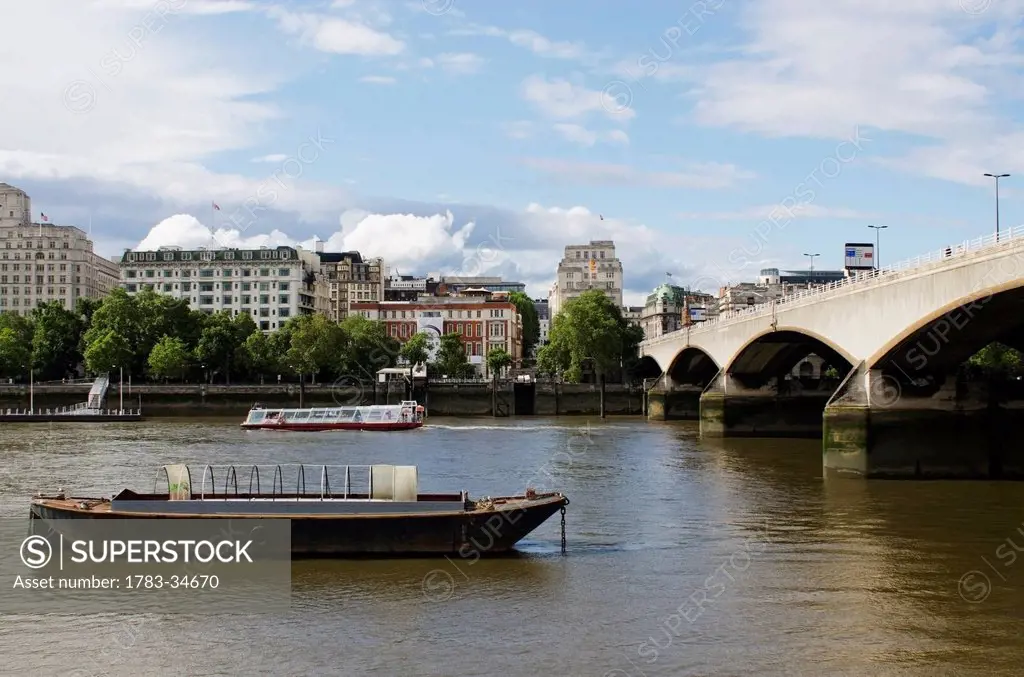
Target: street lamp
(997,177)
(811,257)
(877,229)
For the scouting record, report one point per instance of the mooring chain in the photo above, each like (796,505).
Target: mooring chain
(563,529)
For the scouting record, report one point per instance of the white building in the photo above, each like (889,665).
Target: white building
(42,262)
(587,266)
(273,285)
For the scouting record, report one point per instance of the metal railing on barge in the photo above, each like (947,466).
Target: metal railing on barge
(383,482)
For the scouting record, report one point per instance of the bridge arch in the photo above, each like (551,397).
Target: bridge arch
(693,366)
(774,352)
(647,367)
(935,345)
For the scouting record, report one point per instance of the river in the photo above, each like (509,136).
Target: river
(685,557)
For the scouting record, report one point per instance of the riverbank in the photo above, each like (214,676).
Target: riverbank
(445,399)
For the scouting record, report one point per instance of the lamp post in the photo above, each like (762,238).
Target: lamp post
(877,241)
(120,390)
(811,257)
(31,391)
(997,177)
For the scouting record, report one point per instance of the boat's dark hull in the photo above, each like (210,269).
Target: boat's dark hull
(320,427)
(467,534)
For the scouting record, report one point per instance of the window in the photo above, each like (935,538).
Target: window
(205,300)
(246,256)
(186,286)
(226,300)
(246,299)
(207,286)
(167,287)
(283,286)
(226,272)
(168,256)
(282,272)
(186,256)
(264,299)
(283,312)
(264,286)
(264,272)
(205,272)
(283,298)
(149,273)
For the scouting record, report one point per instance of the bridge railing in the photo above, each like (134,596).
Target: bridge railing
(889,272)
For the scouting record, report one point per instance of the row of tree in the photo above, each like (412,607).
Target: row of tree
(149,335)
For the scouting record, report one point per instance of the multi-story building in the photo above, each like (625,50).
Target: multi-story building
(544,320)
(666,307)
(771,286)
(42,262)
(456,285)
(587,266)
(483,322)
(409,287)
(350,279)
(273,285)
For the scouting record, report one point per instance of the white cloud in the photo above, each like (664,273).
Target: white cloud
(338,36)
(463,63)
(562,99)
(703,176)
(926,68)
(520,129)
(201,7)
(586,137)
(526,245)
(530,40)
(804,211)
(276,157)
(378,79)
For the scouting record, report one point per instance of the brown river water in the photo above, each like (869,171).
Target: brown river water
(685,557)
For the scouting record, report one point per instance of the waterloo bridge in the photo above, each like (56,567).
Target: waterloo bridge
(896,337)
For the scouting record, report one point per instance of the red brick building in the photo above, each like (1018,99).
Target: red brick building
(484,322)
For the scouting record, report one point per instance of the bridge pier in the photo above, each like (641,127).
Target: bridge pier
(782,408)
(675,403)
(877,427)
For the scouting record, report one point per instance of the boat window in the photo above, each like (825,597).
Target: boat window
(256,416)
(374,415)
(299,416)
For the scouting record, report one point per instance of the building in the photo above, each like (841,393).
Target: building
(633,314)
(587,266)
(42,262)
(455,285)
(409,287)
(544,320)
(484,322)
(772,285)
(350,280)
(272,284)
(666,307)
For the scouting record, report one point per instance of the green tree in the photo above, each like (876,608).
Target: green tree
(531,323)
(107,352)
(220,341)
(56,337)
(15,352)
(996,361)
(316,344)
(590,329)
(416,350)
(498,359)
(113,337)
(169,358)
(451,357)
(261,357)
(368,347)
(85,307)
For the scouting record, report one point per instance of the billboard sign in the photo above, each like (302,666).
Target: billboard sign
(698,314)
(430,323)
(859,256)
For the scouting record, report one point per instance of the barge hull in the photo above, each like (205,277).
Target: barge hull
(469,534)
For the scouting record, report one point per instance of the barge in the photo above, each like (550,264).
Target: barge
(385,515)
(405,416)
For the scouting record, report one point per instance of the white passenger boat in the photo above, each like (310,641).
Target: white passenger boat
(404,416)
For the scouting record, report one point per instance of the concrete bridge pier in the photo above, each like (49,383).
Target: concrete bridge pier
(780,407)
(671,400)
(880,426)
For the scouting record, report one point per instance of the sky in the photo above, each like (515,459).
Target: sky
(707,139)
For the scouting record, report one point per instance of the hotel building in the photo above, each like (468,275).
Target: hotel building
(350,279)
(587,266)
(42,262)
(273,285)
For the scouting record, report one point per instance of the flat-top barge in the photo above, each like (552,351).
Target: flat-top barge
(340,516)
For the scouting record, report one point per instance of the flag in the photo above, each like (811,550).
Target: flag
(216,206)
(44,216)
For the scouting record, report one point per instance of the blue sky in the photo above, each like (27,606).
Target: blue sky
(715,138)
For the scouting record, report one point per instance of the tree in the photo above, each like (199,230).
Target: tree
(996,361)
(497,359)
(260,356)
(417,349)
(531,324)
(368,347)
(169,358)
(590,329)
(14,352)
(56,337)
(219,342)
(107,352)
(451,357)
(316,344)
